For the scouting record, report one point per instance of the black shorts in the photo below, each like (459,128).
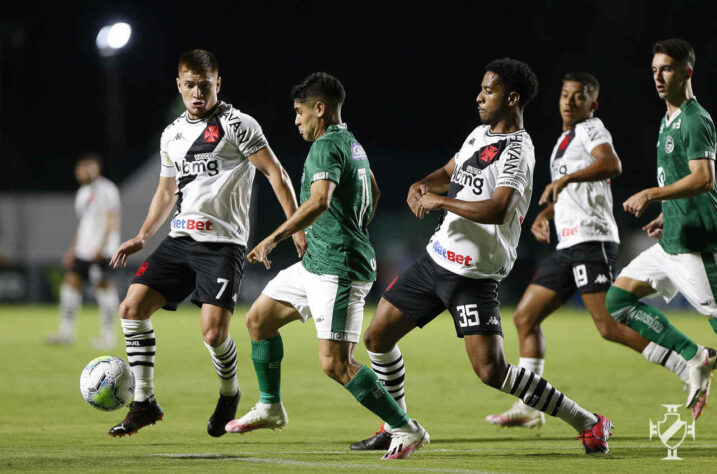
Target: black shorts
(426,289)
(587,267)
(180,266)
(96,272)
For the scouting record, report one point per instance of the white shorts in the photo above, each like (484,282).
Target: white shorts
(336,306)
(692,274)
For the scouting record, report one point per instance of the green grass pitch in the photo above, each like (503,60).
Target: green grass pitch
(46,426)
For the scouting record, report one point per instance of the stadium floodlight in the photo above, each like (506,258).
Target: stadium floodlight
(112,38)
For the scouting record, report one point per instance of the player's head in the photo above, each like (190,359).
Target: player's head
(198,81)
(673,61)
(88,167)
(508,85)
(317,102)
(578,97)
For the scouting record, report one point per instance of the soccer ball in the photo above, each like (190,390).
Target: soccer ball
(107,383)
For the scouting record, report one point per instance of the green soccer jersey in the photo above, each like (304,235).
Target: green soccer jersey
(690,224)
(338,242)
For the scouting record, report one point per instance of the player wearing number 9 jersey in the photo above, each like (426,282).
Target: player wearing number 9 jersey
(209,156)
(488,185)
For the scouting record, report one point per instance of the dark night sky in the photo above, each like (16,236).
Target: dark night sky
(411,75)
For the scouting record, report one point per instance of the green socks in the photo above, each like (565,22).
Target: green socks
(267,355)
(713,323)
(369,392)
(627,309)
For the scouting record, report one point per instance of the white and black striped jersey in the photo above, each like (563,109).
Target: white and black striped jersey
(209,159)
(583,211)
(485,162)
(92,203)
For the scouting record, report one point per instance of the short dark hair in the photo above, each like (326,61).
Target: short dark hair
(200,61)
(588,81)
(320,85)
(678,49)
(90,156)
(516,76)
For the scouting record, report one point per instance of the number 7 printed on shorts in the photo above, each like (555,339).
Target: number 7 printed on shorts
(224,283)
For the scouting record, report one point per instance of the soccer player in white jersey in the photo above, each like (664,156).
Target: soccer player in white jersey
(209,156)
(579,201)
(488,185)
(97,205)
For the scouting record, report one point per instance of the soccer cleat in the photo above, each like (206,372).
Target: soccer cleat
(378,442)
(262,415)
(140,415)
(405,442)
(700,370)
(518,415)
(60,338)
(595,439)
(225,411)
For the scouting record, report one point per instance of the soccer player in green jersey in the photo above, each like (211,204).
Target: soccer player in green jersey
(338,198)
(685,259)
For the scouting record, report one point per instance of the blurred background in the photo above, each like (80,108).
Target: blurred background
(411,74)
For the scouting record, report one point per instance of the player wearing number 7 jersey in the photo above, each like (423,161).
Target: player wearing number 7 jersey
(488,184)
(209,156)
(338,198)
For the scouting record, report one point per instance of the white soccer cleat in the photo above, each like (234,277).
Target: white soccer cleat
(700,370)
(407,439)
(61,338)
(262,415)
(518,415)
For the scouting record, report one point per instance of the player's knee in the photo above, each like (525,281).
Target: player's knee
(490,374)
(618,300)
(253,324)
(336,370)
(524,321)
(129,310)
(214,336)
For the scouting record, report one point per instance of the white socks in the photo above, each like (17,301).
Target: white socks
(391,372)
(70,302)
(666,358)
(141,349)
(108,302)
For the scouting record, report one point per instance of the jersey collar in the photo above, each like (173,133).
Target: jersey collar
(205,116)
(669,120)
(336,126)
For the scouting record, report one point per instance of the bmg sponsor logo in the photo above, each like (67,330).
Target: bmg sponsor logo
(191,224)
(450,255)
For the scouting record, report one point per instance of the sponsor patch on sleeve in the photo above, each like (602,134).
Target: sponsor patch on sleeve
(357,152)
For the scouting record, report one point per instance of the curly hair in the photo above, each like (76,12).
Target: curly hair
(516,76)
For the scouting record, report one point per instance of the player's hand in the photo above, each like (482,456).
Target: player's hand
(260,253)
(550,195)
(415,193)
(68,258)
(128,247)
(654,228)
(300,243)
(541,229)
(427,203)
(637,203)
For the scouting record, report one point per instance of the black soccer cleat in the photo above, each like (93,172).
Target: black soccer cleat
(380,441)
(225,412)
(140,415)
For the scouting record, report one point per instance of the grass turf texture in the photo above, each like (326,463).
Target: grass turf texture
(45,425)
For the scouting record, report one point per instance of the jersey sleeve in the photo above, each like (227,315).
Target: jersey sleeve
(245,132)
(166,169)
(594,133)
(698,135)
(112,197)
(515,169)
(324,162)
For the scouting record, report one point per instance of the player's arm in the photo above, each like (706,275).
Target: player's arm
(159,209)
(310,210)
(606,166)
(541,224)
(375,195)
(269,165)
(437,182)
(700,180)
(496,210)
(111,224)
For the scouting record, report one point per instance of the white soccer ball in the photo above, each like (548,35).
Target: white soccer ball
(107,383)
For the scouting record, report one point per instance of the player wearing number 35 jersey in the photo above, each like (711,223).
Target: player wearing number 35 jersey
(488,184)
(209,156)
